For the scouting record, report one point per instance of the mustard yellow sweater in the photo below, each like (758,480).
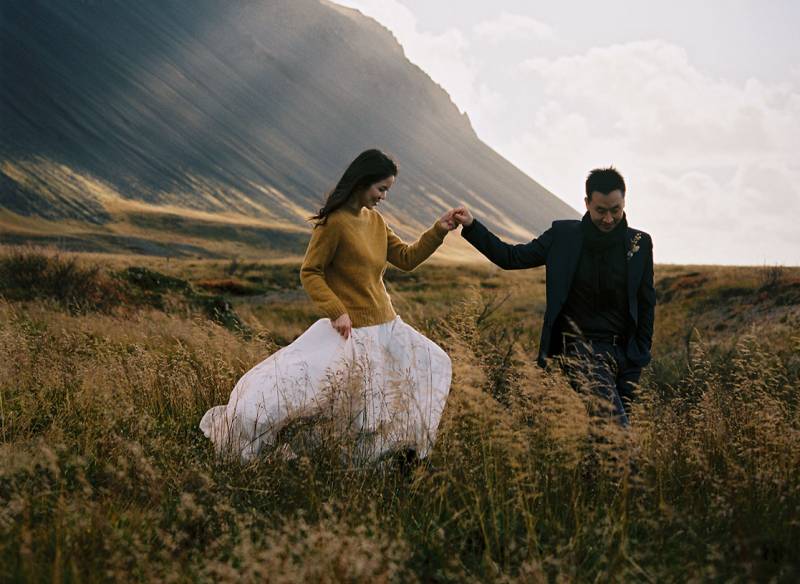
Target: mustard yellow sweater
(346,258)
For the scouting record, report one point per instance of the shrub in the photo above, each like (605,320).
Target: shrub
(31,274)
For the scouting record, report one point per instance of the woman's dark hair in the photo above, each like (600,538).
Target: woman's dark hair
(369,167)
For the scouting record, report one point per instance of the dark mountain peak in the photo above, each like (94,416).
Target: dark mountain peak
(242,111)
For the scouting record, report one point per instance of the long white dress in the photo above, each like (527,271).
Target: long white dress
(386,385)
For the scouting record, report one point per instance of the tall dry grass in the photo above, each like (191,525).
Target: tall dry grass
(104,475)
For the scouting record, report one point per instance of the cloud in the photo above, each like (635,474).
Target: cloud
(649,93)
(711,164)
(508,26)
(700,219)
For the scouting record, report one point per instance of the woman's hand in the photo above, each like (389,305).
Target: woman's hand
(343,325)
(447,221)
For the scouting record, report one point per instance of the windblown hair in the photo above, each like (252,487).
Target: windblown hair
(369,167)
(604,180)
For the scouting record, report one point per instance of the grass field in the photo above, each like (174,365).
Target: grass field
(107,364)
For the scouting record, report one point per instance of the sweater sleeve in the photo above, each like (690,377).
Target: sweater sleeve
(320,253)
(408,256)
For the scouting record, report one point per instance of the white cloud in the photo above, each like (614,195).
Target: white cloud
(508,26)
(694,222)
(711,164)
(650,94)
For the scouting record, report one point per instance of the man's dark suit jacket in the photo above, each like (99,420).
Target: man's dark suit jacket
(559,249)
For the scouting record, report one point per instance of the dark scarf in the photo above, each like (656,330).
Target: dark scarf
(603,249)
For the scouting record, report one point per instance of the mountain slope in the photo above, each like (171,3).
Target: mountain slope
(220,125)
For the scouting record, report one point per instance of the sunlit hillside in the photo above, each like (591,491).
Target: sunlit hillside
(214,129)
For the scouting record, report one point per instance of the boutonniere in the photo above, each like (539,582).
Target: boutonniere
(634,245)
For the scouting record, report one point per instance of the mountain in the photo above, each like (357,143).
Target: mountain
(215,127)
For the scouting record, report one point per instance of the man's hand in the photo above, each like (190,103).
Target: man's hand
(343,325)
(462,216)
(447,220)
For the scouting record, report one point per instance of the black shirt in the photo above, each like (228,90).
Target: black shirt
(597,303)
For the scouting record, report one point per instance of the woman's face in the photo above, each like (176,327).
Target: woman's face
(376,193)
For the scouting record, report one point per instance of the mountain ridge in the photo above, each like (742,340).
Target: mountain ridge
(116,117)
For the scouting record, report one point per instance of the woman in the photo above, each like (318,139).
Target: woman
(362,364)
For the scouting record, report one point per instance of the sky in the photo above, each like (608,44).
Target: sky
(696,104)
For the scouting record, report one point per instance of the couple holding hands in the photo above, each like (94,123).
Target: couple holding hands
(392,380)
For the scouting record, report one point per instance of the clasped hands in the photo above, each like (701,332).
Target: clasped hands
(455,217)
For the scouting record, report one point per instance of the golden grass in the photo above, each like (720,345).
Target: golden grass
(104,475)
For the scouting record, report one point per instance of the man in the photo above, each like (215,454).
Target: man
(600,294)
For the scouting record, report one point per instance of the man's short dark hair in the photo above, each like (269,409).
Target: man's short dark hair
(604,180)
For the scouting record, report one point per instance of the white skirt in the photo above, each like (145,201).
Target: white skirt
(387,385)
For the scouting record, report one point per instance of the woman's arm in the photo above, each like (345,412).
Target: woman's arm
(320,253)
(408,256)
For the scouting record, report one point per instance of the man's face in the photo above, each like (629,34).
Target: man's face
(606,210)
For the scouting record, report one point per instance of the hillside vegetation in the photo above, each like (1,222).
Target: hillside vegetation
(107,364)
(209,128)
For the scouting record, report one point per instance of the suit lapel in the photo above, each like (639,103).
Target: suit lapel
(573,254)
(635,259)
